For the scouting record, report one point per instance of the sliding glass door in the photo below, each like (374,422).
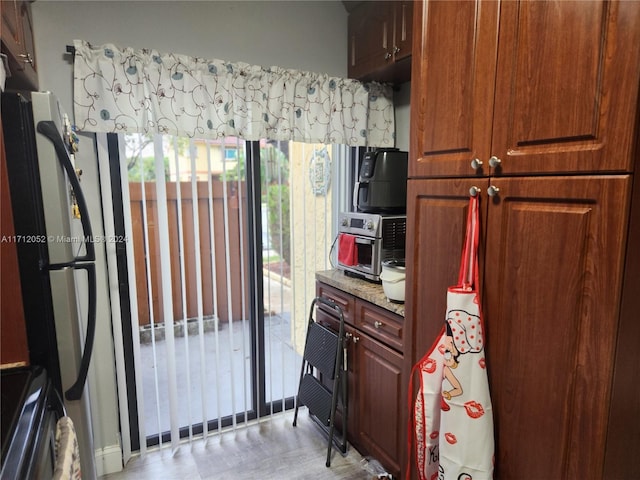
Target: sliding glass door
(224,241)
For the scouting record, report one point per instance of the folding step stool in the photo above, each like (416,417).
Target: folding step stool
(325,356)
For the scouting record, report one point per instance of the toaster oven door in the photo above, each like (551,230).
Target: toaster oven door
(368,264)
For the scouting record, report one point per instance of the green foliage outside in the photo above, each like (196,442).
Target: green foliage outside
(138,145)
(148,168)
(279,220)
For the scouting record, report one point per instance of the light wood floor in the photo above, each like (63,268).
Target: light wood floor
(271,449)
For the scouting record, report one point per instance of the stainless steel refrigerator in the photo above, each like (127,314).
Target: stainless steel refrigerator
(55,247)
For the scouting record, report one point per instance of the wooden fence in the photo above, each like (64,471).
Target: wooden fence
(235,243)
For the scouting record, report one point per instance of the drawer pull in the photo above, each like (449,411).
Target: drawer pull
(377,324)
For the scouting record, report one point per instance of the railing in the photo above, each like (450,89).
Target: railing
(208,261)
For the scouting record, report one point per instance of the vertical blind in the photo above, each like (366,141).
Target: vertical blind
(199,351)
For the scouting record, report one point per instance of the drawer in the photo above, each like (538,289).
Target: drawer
(381,324)
(343,299)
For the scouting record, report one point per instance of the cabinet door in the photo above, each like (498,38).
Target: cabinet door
(11,27)
(452,88)
(566,101)
(17,43)
(380,400)
(436,221)
(370,38)
(14,349)
(402,29)
(554,250)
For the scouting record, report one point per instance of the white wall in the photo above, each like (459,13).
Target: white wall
(304,35)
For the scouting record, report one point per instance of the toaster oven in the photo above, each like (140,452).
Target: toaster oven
(365,240)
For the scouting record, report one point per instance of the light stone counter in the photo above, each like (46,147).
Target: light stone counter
(371,292)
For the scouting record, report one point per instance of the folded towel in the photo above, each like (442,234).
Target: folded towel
(67,451)
(347,250)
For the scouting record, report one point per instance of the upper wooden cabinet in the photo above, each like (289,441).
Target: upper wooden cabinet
(544,87)
(380,41)
(17,44)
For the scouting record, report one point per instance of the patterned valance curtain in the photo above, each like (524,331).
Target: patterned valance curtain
(144,91)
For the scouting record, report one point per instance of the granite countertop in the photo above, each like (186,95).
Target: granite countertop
(371,292)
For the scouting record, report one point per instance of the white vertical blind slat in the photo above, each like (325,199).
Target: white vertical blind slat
(186,373)
(232,339)
(167,297)
(244,313)
(147,263)
(195,208)
(214,285)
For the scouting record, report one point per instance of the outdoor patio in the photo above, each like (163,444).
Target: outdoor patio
(221,361)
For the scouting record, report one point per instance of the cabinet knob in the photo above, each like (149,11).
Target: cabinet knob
(26,58)
(473,191)
(492,191)
(494,162)
(387,55)
(377,324)
(356,339)
(396,49)
(476,163)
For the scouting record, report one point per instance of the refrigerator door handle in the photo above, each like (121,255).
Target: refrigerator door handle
(75,391)
(49,130)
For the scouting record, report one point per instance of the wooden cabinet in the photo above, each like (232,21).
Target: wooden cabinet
(553,263)
(491,83)
(377,384)
(436,219)
(552,253)
(14,350)
(380,41)
(17,44)
(380,397)
(560,115)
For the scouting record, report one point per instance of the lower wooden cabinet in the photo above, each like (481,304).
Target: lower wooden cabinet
(380,394)
(552,251)
(377,380)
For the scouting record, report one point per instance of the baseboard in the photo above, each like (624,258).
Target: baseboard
(109,460)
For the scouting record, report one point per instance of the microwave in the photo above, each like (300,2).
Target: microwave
(365,240)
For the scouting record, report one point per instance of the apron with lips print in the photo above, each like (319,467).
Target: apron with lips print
(452,414)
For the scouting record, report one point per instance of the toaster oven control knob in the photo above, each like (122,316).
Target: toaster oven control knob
(369,225)
(345,222)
